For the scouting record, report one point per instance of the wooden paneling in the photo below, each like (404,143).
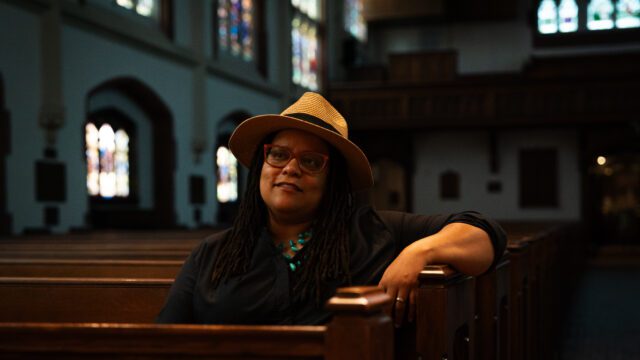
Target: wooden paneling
(423,67)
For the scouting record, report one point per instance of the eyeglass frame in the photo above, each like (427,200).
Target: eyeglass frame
(296,156)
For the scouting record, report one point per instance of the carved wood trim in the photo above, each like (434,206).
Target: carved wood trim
(492,101)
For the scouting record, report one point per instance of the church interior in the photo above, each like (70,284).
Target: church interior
(115,117)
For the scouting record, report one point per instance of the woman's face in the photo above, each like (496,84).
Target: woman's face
(291,194)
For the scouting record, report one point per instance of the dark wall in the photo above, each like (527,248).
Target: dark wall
(5,147)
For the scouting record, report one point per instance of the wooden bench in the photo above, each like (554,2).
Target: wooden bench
(359,329)
(115,237)
(108,246)
(90,268)
(492,313)
(445,314)
(504,326)
(106,254)
(29,299)
(519,300)
(444,317)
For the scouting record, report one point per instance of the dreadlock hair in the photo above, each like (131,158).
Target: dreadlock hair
(326,254)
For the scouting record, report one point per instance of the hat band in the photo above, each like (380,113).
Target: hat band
(313,120)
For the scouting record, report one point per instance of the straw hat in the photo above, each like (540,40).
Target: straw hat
(311,113)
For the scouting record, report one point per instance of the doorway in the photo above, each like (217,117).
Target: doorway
(618,179)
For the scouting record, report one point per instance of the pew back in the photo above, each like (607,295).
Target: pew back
(81,299)
(90,268)
(359,329)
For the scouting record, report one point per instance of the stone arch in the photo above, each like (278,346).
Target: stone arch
(162,156)
(227,211)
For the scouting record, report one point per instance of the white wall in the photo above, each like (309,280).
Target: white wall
(97,50)
(88,61)
(20,67)
(467,153)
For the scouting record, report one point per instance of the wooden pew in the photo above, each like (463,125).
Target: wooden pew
(28,299)
(359,329)
(115,237)
(530,288)
(107,245)
(106,254)
(90,268)
(492,312)
(445,314)
(557,258)
(519,300)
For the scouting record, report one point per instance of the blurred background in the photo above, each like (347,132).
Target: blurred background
(116,113)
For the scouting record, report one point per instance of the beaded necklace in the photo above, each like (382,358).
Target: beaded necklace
(295,246)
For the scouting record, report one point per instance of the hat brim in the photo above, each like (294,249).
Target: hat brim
(248,135)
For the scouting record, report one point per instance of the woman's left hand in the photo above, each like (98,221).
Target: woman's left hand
(465,247)
(400,282)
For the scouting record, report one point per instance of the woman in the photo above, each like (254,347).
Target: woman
(298,235)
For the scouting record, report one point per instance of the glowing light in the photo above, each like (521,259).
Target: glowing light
(601,160)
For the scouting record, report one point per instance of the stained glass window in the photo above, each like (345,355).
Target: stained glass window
(146,8)
(568,16)
(93,159)
(121,160)
(311,8)
(107,156)
(236,28)
(563,15)
(600,15)
(628,14)
(547,17)
(227,188)
(353,20)
(305,50)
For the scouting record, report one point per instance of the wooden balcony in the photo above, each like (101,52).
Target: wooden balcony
(540,96)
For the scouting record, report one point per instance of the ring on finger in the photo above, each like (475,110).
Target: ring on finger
(399,299)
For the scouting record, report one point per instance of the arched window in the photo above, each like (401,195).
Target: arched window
(600,15)
(305,43)
(229,175)
(354,22)
(236,28)
(142,157)
(227,186)
(107,154)
(628,14)
(153,13)
(146,8)
(562,16)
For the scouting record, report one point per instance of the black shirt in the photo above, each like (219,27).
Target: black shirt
(262,295)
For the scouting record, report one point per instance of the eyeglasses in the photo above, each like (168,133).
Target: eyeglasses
(309,161)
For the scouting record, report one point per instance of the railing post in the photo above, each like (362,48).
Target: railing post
(360,329)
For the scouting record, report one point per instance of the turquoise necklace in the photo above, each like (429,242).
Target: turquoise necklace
(295,246)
